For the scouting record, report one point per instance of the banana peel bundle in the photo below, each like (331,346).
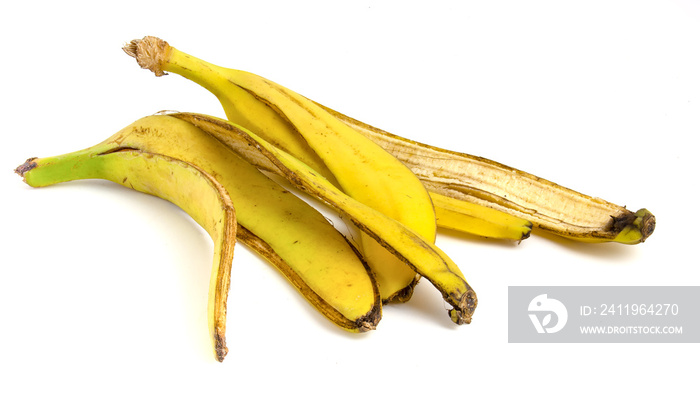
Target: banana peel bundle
(395,191)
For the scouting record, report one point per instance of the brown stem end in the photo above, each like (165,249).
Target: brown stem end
(220,345)
(150,53)
(23,168)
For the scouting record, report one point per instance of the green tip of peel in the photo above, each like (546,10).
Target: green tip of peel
(639,229)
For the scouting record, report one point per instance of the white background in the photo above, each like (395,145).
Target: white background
(103,290)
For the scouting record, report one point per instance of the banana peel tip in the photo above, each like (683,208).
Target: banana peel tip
(646,224)
(220,347)
(467,306)
(28,165)
(367,326)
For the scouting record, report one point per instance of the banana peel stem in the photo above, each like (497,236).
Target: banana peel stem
(150,53)
(25,167)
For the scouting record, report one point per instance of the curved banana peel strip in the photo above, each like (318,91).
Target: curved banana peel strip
(422,256)
(195,191)
(549,206)
(320,297)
